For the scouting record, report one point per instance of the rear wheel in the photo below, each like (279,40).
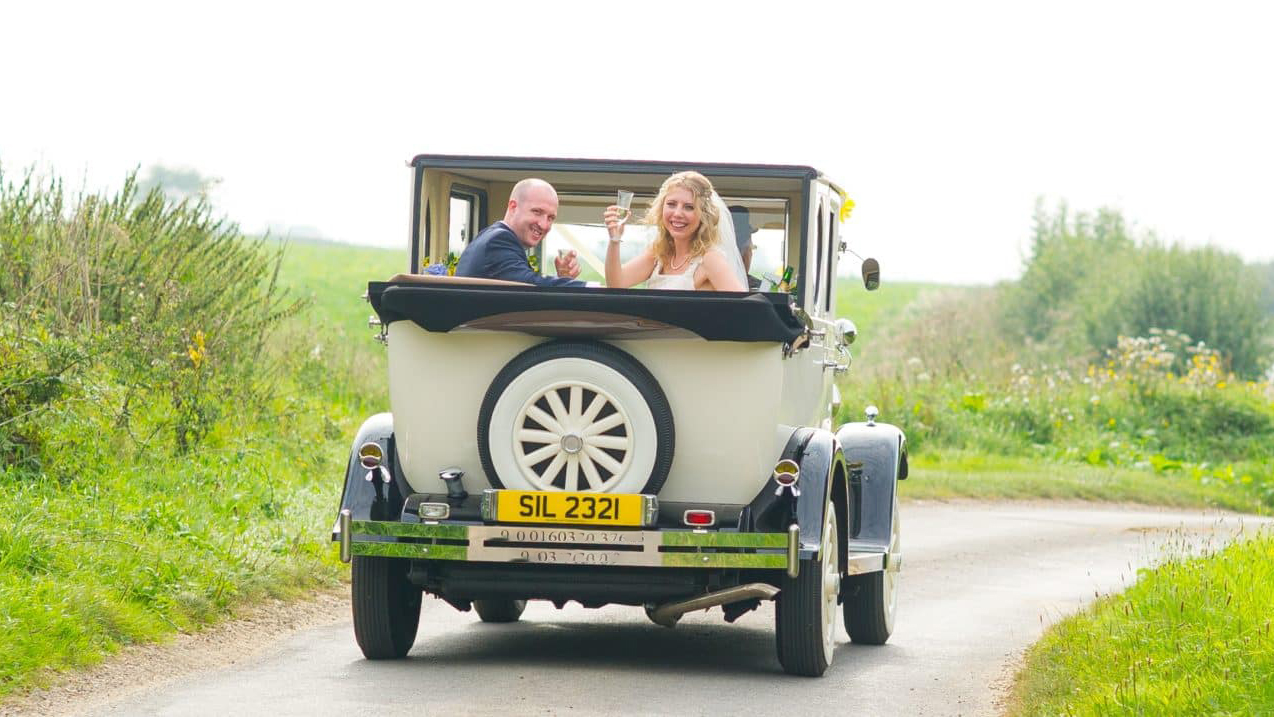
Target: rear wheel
(386,607)
(805,616)
(499,610)
(871,599)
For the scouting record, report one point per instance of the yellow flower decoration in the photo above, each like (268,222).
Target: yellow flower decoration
(846,206)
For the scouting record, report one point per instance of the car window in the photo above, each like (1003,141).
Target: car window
(829,269)
(769,220)
(820,241)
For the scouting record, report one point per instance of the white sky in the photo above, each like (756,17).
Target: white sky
(944,121)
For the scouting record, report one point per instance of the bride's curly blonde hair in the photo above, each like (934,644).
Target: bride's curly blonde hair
(708,233)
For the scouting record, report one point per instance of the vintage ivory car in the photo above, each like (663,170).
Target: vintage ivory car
(668,449)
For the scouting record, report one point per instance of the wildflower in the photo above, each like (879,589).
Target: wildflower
(197,351)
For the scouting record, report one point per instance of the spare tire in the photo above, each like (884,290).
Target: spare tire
(576,416)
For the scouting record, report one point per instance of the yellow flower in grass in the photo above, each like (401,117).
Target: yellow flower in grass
(197,350)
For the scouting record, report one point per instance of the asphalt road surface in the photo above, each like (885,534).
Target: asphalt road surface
(980,582)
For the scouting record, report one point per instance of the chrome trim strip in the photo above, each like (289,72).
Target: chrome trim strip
(344,522)
(488,504)
(793,550)
(669,613)
(652,510)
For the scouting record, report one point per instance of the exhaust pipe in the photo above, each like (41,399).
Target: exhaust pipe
(669,613)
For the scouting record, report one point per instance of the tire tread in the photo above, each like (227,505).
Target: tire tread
(864,609)
(386,607)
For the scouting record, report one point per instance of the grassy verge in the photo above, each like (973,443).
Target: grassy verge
(947,474)
(174,425)
(128,552)
(1193,636)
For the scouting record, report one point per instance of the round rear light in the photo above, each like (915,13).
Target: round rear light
(370,455)
(786,473)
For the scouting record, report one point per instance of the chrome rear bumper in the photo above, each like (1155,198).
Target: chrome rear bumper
(571,545)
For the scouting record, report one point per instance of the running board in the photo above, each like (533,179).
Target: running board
(866,562)
(669,613)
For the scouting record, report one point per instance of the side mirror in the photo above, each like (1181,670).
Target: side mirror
(871,274)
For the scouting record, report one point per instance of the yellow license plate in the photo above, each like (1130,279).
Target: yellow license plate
(518,506)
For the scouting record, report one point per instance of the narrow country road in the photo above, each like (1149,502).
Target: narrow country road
(979,583)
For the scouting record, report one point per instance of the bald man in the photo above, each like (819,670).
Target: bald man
(499,251)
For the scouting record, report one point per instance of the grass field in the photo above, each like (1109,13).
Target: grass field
(334,276)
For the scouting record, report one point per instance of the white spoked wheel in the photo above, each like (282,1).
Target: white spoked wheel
(890,582)
(575,417)
(830,585)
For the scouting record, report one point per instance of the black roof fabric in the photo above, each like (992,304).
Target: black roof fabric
(712,315)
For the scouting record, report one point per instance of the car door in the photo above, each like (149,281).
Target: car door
(820,293)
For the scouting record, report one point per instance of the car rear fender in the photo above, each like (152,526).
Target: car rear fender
(876,455)
(374,499)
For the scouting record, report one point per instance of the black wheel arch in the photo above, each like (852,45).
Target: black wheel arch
(876,455)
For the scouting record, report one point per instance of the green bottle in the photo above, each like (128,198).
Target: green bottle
(785,284)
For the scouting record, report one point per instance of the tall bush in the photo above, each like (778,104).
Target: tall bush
(1089,280)
(1073,259)
(171,303)
(1206,293)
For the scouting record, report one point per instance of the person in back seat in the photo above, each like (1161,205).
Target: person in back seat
(499,251)
(694,247)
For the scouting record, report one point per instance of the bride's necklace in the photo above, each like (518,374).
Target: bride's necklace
(672,264)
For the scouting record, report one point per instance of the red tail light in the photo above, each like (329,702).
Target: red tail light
(700,518)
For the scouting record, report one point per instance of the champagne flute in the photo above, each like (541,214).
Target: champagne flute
(625,202)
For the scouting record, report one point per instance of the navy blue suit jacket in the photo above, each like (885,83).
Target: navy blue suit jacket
(496,253)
